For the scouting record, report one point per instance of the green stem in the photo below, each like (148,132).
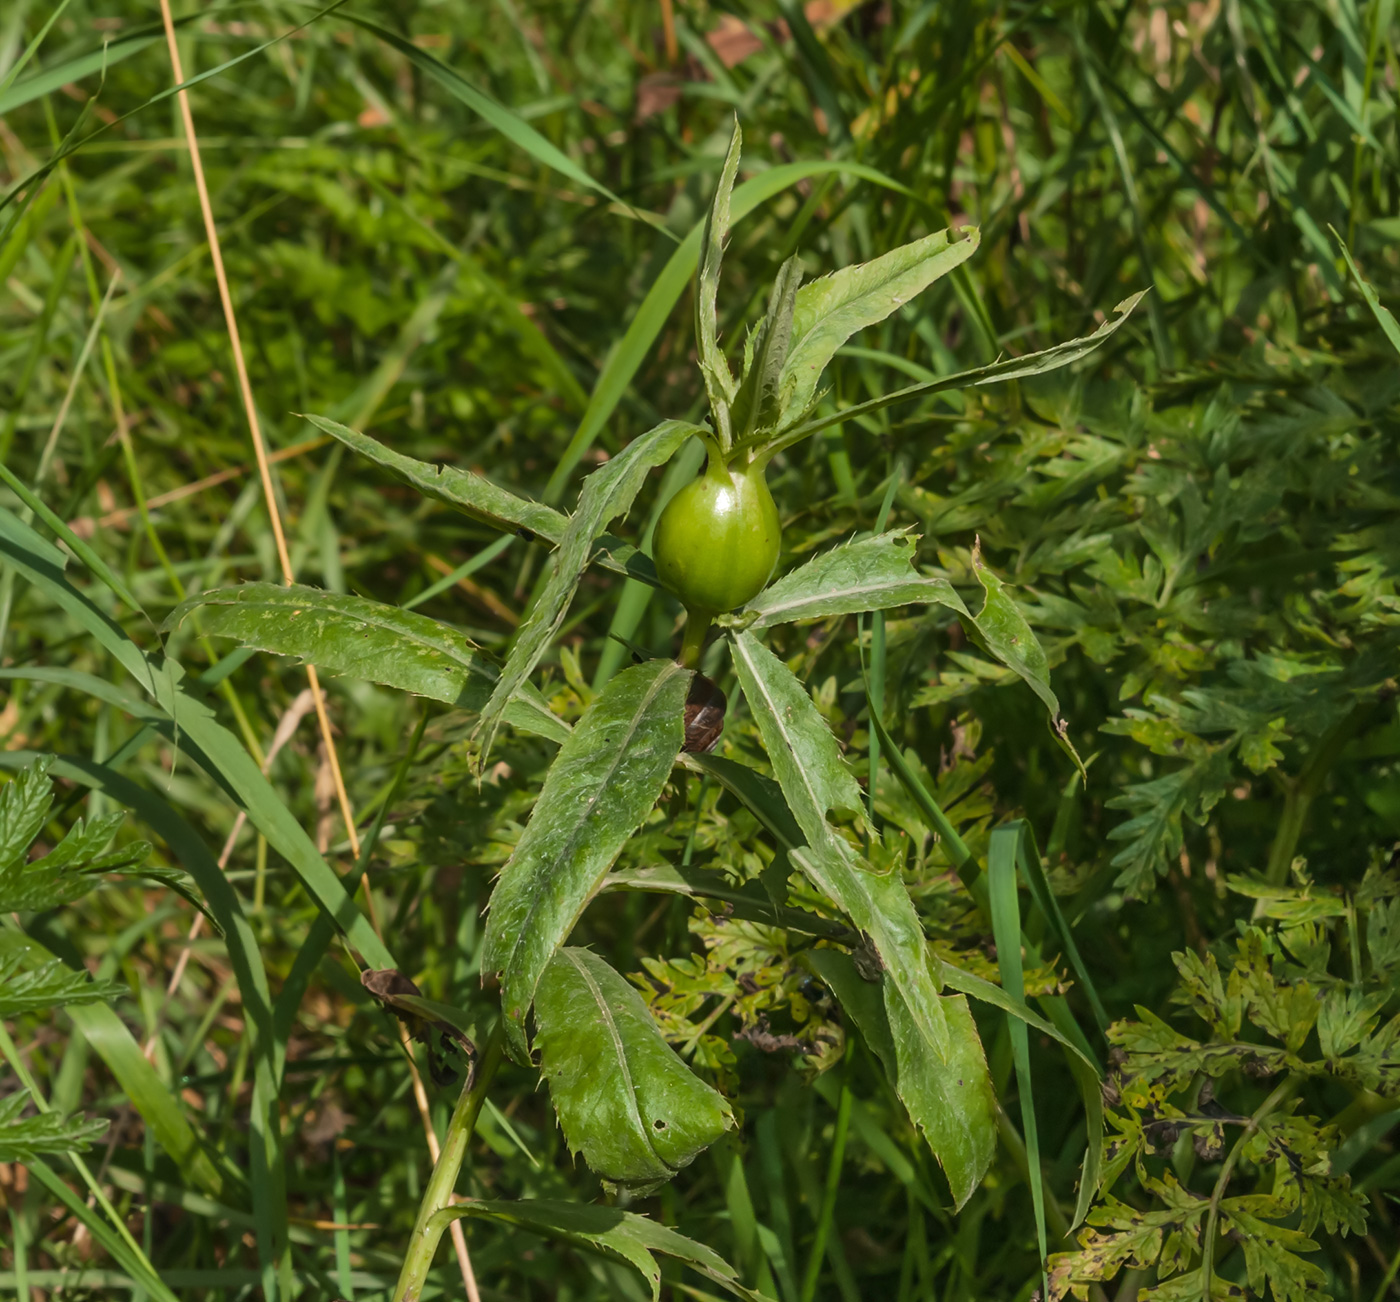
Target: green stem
(697,624)
(833,1181)
(426,1234)
(1304,789)
(1281,1095)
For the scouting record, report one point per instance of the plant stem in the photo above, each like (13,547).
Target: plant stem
(1281,1095)
(438,1195)
(1304,789)
(693,639)
(833,1181)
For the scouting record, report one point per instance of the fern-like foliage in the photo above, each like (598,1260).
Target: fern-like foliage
(71,869)
(1215,1129)
(22,1138)
(51,985)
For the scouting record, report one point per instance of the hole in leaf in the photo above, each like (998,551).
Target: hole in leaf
(659,1124)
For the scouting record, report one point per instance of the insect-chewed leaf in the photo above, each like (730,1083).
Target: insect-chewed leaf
(624,1097)
(608,492)
(603,783)
(610,1232)
(22,1138)
(477,496)
(815,779)
(359,638)
(829,311)
(950,1101)
(871,574)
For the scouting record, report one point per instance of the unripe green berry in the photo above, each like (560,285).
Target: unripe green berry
(717,540)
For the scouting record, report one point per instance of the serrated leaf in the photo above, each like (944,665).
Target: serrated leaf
(354,637)
(871,574)
(50,985)
(829,311)
(69,871)
(815,780)
(24,808)
(350,635)
(950,1101)
(476,496)
(719,382)
(755,406)
(1346,1018)
(607,493)
(623,1236)
(22,1138)
(1008,636)
(625,1099)
(602,784)
(1013,368)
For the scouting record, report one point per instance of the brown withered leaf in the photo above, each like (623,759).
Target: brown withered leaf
(704,715)
(400,996)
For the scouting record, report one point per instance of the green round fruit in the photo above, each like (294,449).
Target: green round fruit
(718,538)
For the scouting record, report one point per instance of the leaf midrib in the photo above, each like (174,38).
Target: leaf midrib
(580,823)
(473,664)
(611,1023)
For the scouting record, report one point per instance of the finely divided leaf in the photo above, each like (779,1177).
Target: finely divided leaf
(829,311)
(607,493)
(951,1102)
(24,808)
(69,870)
(602,784)
(610,1232)
(624,1097)
(871,574)
(23,1138)
(50,985)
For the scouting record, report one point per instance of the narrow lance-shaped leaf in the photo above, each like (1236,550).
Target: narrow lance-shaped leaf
(602,784)
(1015,368)
(345,634)
(609,1232)
(815,779)
(829,311)
(719,383)
(955,1106)
(872,574)
(468,492)
(652,313)
(230,764)
(607,493)
(756,402)
(625,1099)
(1008,636)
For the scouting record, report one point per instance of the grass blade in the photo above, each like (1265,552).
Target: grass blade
(1002,854)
